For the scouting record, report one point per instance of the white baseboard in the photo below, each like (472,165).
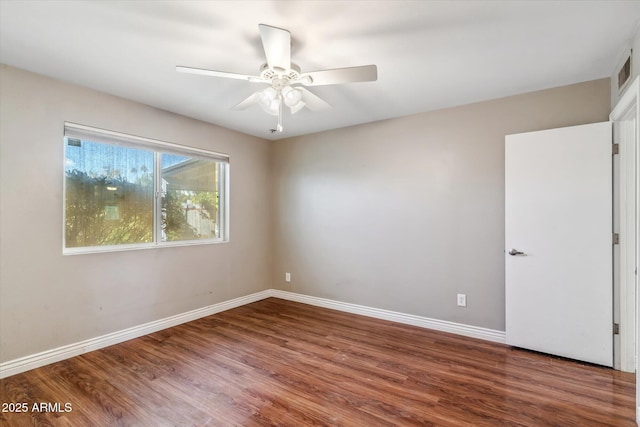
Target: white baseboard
(394,316)
(33,361)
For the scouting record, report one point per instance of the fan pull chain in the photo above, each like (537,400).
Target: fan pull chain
(279,125)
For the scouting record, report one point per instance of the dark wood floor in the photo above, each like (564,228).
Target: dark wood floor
(282,363)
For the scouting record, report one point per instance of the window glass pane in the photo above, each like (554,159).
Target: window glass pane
(190,198)
(109,194)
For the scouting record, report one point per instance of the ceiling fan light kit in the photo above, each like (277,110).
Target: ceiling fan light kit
(271,98)
(285,78)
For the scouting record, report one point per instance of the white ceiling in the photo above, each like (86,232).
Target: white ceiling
(430,54)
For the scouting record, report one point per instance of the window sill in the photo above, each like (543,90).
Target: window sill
(122,248)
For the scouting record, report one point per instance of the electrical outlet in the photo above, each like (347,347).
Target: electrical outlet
(287,277)
(462,300)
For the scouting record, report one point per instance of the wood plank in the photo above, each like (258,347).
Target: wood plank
(277,362)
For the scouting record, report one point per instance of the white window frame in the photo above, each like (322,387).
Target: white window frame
(83,132)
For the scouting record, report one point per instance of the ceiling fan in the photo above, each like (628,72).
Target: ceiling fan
(285,79)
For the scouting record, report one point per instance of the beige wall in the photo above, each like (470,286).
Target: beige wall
(400,214)
(48,300)
(405,213)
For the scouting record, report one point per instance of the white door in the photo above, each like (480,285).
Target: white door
(558,198)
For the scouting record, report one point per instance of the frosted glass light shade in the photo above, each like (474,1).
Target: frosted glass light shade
(269,101)
(292,99)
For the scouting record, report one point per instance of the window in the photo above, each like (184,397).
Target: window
(127,192)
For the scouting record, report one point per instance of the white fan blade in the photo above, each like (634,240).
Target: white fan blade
(313,102)
(277,46)
(253,99)
(213,73)
(364,73)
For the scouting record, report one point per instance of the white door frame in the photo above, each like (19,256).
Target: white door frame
(628,108)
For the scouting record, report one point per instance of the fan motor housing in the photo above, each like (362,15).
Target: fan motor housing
(292,74)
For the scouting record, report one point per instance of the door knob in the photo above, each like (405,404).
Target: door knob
(514,252)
